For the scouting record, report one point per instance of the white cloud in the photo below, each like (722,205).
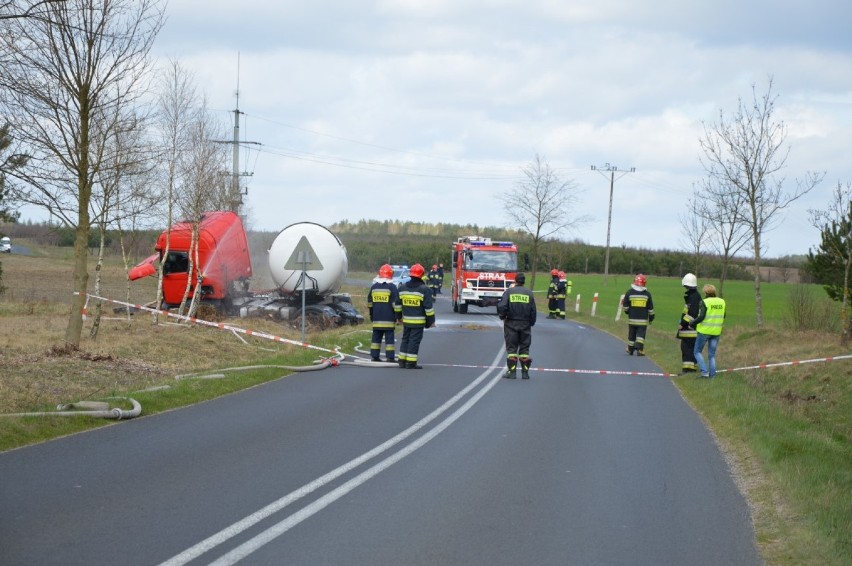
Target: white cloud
(426,110)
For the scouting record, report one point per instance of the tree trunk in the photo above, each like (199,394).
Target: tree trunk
(758,301)
(96,320)
(81,280)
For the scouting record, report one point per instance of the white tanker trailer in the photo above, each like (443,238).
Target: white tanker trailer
(305,258)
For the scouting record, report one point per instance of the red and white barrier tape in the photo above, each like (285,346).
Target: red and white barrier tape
(566,370)
(793,363)
(658,374)
(222,326)
(219,325)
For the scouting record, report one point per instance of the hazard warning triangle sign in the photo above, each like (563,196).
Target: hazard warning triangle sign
(304,257)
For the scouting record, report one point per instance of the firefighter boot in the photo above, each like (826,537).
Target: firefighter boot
(525,370)
(412,365)
(402,363)
(512,372)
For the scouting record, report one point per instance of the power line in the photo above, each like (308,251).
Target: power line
(611,169)
(392,169)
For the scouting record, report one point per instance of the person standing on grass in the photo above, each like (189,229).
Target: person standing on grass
(686,334)
(708,324)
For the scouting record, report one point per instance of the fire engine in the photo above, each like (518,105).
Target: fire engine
(482,270)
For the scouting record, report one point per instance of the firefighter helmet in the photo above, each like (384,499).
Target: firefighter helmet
(689,280)
(386,271)
(416,270)
(562,275)
(554,272)
(639,280)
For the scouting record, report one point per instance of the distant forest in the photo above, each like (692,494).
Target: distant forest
(370,243)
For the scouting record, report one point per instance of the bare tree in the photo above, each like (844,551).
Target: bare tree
(176,109)
(64,74)
(539,206)
(116,197)
(202,186)
(744,155)
(695,227)
(727,233)
(15,9)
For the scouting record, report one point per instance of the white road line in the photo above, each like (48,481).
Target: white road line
(233,530)
(285,525)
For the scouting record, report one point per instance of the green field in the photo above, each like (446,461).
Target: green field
(667,293)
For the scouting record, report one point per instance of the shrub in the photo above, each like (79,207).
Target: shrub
(805,311)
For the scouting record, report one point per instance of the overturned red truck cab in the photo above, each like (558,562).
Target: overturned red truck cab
(223,259)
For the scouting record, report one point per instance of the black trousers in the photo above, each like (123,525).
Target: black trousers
(687,354)
(409,346)
(376,343)
(636,336)
(518,337)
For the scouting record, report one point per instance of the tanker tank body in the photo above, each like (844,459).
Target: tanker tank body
(325,255)
(310,253)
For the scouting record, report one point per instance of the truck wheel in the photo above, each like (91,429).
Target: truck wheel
(315,321)
(455,307)
(463,308)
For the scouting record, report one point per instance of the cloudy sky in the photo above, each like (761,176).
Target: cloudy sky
(426,110)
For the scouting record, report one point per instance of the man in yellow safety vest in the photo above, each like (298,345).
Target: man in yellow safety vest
(708,323)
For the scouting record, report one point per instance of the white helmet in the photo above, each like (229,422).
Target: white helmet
(689,280)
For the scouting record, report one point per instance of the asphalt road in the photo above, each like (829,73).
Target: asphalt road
(446,465)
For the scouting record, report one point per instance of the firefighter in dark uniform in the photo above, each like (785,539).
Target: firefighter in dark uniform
(382,300)
(434,280)
(552,304)
(416,313)
(686,333)
(441,277)
(639,308)
(561,294)
(517,311)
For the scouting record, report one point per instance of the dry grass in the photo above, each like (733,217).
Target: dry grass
(128,354)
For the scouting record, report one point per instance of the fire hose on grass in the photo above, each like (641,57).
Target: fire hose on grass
(102,409)
(96,409)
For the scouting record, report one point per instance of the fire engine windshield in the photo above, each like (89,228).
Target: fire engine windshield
(491,261)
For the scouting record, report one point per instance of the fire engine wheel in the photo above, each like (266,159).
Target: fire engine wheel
(463,308)
(455,307)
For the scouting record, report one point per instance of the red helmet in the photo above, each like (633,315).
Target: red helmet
(639,280)
(386,271)
(562,275)
(417,270)
(554,272)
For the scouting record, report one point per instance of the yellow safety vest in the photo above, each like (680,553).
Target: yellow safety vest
(714,318)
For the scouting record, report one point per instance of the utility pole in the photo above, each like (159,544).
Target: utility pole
(235,194)
(612,170)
